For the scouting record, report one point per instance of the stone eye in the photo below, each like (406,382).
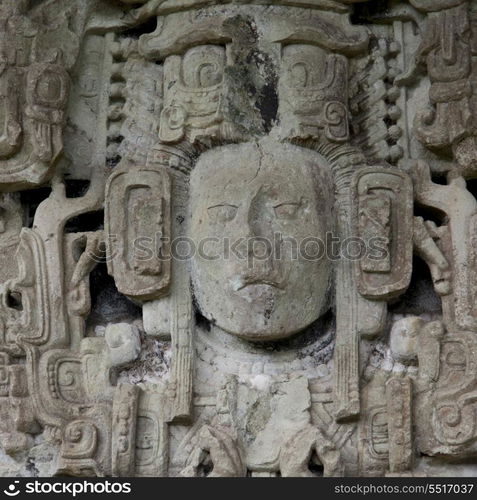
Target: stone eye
(222,213)
(286,210)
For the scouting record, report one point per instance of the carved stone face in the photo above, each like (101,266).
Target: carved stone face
(251,206)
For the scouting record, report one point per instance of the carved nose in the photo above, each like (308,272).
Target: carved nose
(258,218)
(260,249)
(260,244)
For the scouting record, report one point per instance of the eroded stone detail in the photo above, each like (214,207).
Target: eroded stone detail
(237,238)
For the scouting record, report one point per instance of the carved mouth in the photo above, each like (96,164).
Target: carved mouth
(243,282)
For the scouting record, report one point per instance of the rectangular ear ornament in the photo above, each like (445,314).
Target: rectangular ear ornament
(138,231)
(383,220)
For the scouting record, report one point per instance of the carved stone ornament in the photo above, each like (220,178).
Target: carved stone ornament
(238,238)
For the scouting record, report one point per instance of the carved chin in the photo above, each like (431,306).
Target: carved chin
(258,312)
(257,328)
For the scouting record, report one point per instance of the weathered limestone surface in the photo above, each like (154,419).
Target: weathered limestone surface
(238,237)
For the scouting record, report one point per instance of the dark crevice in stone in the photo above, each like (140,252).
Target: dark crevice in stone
(430,214)
(115,139)
(440,178)
(420,297)
(112,161)
(267,103)
(76,188)
(472,187)
(107,303)
(205,467)
(388,122)
(14,301)
(35,3)
(148,27)
(315,466)
(31,467)
(200,320)
(91,221)
(364,13)
(30,201)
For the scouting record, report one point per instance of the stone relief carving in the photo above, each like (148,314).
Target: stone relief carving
(237,238)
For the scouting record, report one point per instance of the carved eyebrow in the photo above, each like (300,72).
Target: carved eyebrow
(284,203)
(287,203)
(223,205)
